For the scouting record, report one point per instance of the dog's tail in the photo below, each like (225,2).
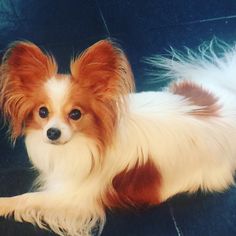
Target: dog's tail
(214,61)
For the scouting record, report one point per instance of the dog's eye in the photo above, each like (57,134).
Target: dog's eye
(75,114)
(43,112)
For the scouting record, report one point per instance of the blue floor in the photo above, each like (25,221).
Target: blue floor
(142,28)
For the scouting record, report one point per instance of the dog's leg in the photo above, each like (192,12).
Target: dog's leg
(65,216)
(25,202)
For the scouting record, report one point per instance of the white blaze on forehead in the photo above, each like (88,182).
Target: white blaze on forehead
(57,90)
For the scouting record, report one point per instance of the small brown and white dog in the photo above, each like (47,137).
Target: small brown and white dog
(97,145)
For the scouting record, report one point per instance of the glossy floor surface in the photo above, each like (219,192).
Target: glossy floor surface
(143,28)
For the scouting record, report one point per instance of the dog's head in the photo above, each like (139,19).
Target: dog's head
(88,100)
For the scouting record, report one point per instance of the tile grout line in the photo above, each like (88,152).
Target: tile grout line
(14,9)
(200,21)
(209,20)
(103,19)
(179,233)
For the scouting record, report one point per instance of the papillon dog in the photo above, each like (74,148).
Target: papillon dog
(97,145)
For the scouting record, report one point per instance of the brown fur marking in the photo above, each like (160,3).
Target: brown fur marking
(137,187)
(198,96)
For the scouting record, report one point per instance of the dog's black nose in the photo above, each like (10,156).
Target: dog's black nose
(53,133)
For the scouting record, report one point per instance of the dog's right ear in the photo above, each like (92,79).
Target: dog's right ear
(23,70)
(26,63)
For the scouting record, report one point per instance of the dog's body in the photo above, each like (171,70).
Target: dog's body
(151,145)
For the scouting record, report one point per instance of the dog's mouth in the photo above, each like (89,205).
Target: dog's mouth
(56,142)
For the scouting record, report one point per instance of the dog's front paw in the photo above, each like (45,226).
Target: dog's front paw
(6,207)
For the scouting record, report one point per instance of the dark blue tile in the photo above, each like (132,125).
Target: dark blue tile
(152,222)
(11,155)
(143,29)
(150,28)
(11,228)
(207,215)
(63,25)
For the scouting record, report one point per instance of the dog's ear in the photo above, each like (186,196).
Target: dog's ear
(23,70)
(103,73)
(25,63)
(104,70)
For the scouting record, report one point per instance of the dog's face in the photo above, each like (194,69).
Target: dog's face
(59,114)
(65,109)
(87,101)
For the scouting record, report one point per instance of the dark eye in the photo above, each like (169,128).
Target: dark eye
(75,114)
(43,112)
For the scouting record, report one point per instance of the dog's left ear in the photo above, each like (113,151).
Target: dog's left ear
(104,70)
(103,73)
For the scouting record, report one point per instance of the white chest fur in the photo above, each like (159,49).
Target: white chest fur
(63,165)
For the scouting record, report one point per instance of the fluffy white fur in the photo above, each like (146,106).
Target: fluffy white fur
(191,153)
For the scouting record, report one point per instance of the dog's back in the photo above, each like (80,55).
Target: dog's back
(190,126)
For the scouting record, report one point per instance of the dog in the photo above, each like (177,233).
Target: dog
(98,145)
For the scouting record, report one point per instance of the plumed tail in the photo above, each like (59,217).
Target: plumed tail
(211,58)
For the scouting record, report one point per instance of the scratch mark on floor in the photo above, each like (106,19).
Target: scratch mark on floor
(209,20)
(200,21)
(179,233)
(103,19)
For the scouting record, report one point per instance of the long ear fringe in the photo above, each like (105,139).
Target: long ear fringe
(175,65)
(86,61)
(104,72)
(23,67)
(27,58)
